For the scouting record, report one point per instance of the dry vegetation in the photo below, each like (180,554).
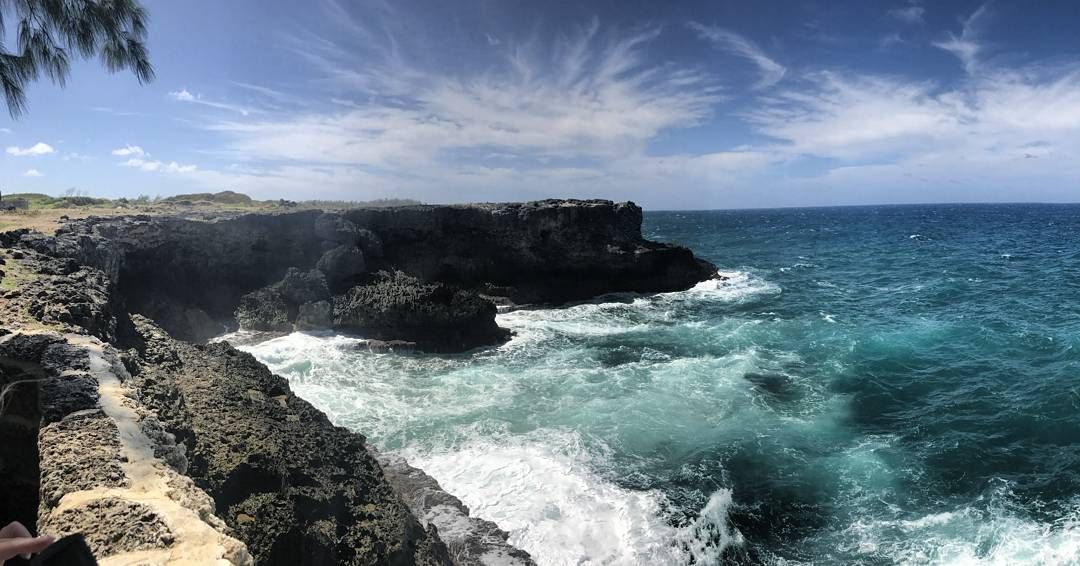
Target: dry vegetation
(46,213)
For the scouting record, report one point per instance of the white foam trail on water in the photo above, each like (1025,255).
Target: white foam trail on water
(626,313)
(545,487)
(542,489)
(972,536)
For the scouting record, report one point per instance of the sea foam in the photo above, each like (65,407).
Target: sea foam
(544,490)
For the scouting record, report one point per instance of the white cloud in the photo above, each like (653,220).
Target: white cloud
(5,130)
(1003,129)
(598,101)
(174,167)
(36,150)
(153,166)
(965,46)
(184,95)
(129,150)
(912,14)
(33,173)
(583,115)
(771,71)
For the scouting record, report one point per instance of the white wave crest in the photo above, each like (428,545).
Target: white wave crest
(970,536)
(544,491)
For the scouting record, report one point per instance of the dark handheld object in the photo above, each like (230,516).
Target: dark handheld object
(68,551)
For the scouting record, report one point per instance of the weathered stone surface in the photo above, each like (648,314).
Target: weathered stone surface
(299,287)
(112,525)
(543,251)
(335,228)
(80,451)
(435,316)
(67,393)
(296,489)
(342,267)
(265,309)
(319,314)
(472,541)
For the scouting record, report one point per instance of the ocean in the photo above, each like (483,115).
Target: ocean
(866,385)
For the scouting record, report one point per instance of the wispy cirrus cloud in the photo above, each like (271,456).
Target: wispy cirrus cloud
(1000,127)
(186,96)
(36,150)
(911,14)
(584,113)
(966,46)
(598,100)
(727,40)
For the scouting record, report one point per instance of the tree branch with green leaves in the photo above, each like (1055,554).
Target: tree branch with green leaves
(51,32)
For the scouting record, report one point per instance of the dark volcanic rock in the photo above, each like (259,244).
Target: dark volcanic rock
(299,287)
(274,308)
(200,267)
(190,274)
(475,542)
(334,228)
(265,309)
(435,316)
(315,315)
(543,251)
(296,489)
(342,267)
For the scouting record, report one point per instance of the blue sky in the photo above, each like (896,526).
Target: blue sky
(675,105)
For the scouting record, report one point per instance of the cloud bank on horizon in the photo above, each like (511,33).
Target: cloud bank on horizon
(687,105)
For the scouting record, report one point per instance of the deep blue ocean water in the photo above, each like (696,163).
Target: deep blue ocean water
(868,385)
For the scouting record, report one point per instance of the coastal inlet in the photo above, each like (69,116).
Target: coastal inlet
(887,385)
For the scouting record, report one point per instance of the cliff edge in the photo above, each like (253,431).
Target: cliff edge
(121,422)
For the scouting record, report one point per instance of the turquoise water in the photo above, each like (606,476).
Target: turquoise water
(888,385)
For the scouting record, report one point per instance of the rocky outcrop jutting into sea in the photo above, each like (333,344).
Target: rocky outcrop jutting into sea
(123,423)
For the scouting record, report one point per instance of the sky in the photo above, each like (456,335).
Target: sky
(699,104)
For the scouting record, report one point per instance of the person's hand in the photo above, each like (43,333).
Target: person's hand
(15,540)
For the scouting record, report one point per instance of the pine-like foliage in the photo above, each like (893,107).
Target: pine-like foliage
(51,32)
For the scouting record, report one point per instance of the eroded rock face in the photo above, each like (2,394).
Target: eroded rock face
(203,443)
(472,541)
(108,470)
(295,488)
(343,266)
(435,316)
(544,251)
(112,525)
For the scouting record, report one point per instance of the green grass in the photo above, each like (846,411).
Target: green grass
(15,276)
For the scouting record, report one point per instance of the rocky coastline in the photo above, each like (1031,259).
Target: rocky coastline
(124,423)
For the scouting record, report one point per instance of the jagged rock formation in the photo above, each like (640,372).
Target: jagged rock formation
(545,251)
(433,317)
(120,425)
(297,489)
(103,460)
(199,277)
